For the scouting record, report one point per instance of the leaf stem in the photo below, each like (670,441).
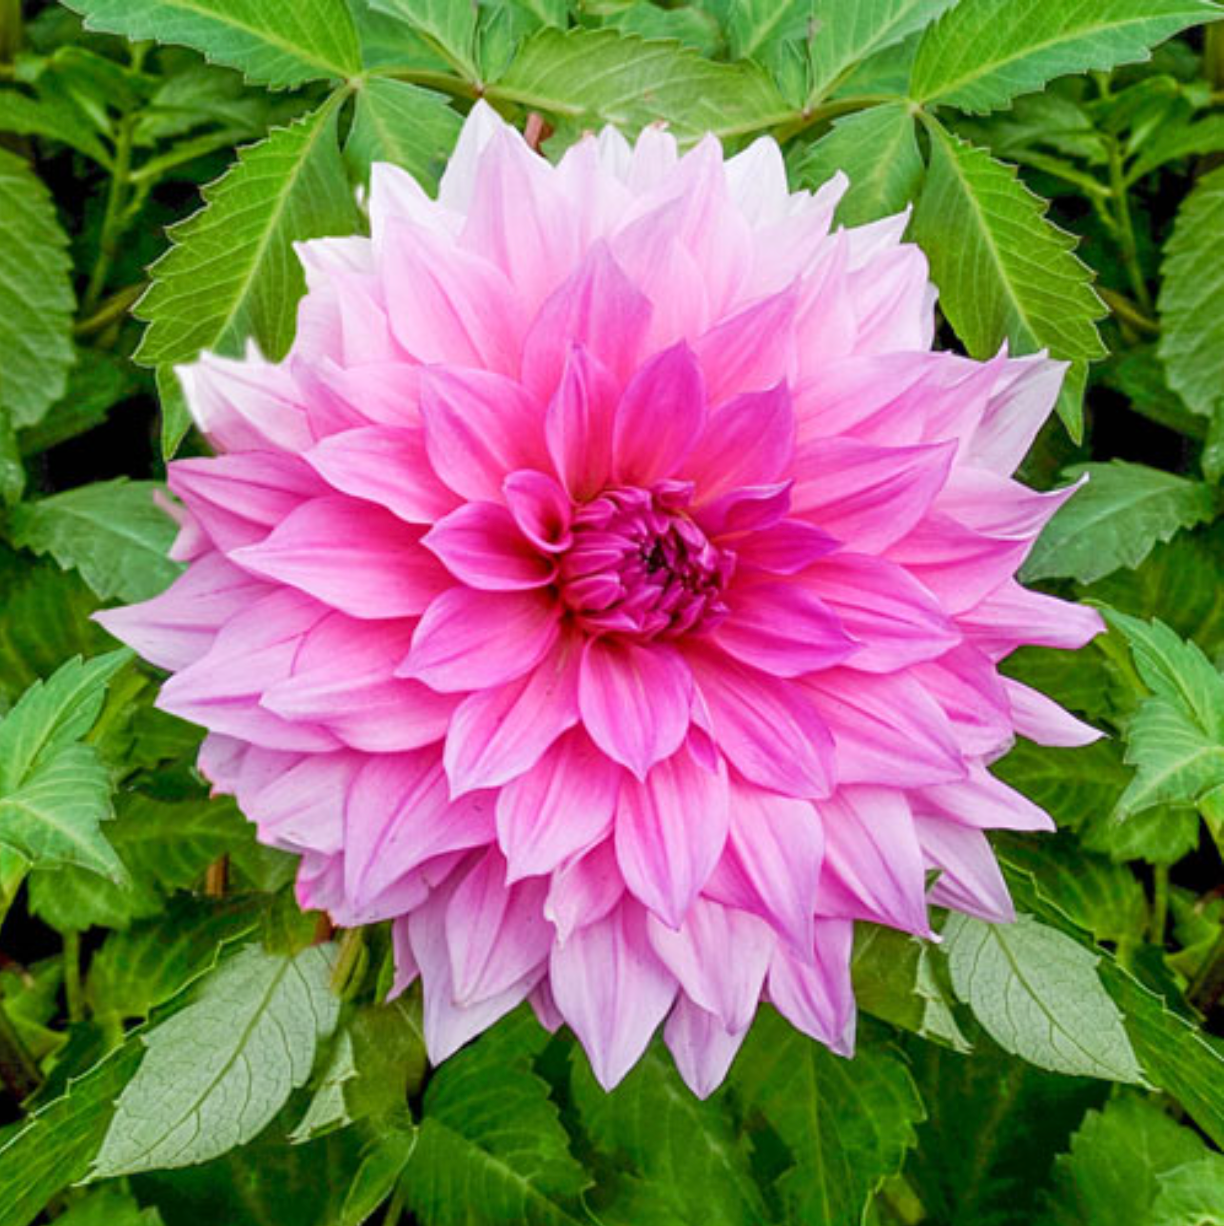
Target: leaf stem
(115,307)
(1208,983)
(1160,904)
(73,993)
(1127,312)
(395,1210)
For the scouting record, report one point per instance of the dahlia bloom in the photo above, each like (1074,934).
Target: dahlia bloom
(608,589)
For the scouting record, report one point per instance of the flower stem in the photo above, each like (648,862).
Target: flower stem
(395,1210)
(73,993)
(1160,904)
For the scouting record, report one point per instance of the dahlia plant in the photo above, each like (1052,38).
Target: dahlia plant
(666,668)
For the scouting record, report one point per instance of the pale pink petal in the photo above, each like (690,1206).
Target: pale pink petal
(702,1049)
(981,801)
(469,640)
(634,701)
(659,418)
(969,877)
(970,692)
(815,994)
(750,352)
(612,990)
(584,890)
(1012,615)
(481,545)
(302,808)
(1018,408)
(1042,720)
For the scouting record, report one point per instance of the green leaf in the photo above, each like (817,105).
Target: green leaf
(846,34)
(379,1172)
(327,1110)
(1037,994)
(401,123)
(447,28)
(217,1072)
(689,1165)
(273,44)
(232,272)
(111,531)
(846,1123)
(1116,1159)
(1191,1195)
(491,1148)
(753,25)
(985,52)
(36,301)
(995,1126)
(1115,520)
(1192,297)
(52,117)
(109,1207)
(600,76)
(53,1148)
(96,383)
(1004,272)
(878,151)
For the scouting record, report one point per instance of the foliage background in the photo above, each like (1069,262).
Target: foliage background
(178,1043)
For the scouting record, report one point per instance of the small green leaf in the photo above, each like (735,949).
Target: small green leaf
(217,1071)
(111,531)
(36,301)
(52,117)
(1192,297)
(600,76)
(401,123)
(232,272)
(1191,1195)
(109,1207)
(1004,272)
(1115,520)
(273,44)
(379,1172)
(878,152)
(447,28)
(1037,994)
(983,53)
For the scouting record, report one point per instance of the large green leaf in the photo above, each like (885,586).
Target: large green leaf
(1115,520)
(36,300)
(491,1147)
(401,123)
(232,272)
(687,1164)
(846,1123)
(112,532)
(217,1072)
(1037,994)
(274,44)
(1004,272)
(1117,1157)
(877,150)
(1191,1195)
(447,28)
(53,1148)
(985,52)
(1192,297)
(600,76)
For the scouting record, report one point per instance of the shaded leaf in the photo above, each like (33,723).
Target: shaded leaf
(401,123)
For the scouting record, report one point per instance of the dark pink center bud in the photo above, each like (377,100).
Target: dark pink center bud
(639,565)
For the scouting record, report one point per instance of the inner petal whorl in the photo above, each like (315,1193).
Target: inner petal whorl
(640,566)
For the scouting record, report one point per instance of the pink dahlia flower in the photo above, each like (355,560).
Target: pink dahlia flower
(608,589)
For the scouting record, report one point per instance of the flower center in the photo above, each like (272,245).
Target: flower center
(639,565)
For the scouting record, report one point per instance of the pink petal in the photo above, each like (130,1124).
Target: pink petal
(634,700)
(784,548)
(497,934)
(783,629)
(702,1049)
(815,994)
(612,990)
(752,350)
(386,465)
(353,556)
(754,508)
(670,833)
(302,808)
(541,509)
(969,876)
(469,640)
(1041,719)
(659,417)
(559,806)
(498,733)
(478,427)
(752,714)
(749,440)
(579,423)
(584,890)
(720,956)
(1018,407)
(1012,615)
(599,308)
(865,495)
(481,545)
(981,801)
(970,693)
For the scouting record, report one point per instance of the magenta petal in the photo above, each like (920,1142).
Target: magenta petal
(599,308)
(784,630)
(480,544)
(670,833)
(753,508)
(752,714)
(479,426)
(498,733)
(386,465)
(469,640)
(541,508)
(496,934)
(562,804)
(353,556)
(635,701)
(784,548)
(578,424)
(612,990)
(750,440)
(720,956)
(815,995)
(702,1049)
(659,417)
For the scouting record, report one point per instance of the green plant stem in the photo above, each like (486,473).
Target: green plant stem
(1206,986)
(1126,229)
(395,1210)
(1127,312)
(17,1068)
(352,946)
(73,994)
(112,219)
(1160,904)
(1213,59)
(115,307)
